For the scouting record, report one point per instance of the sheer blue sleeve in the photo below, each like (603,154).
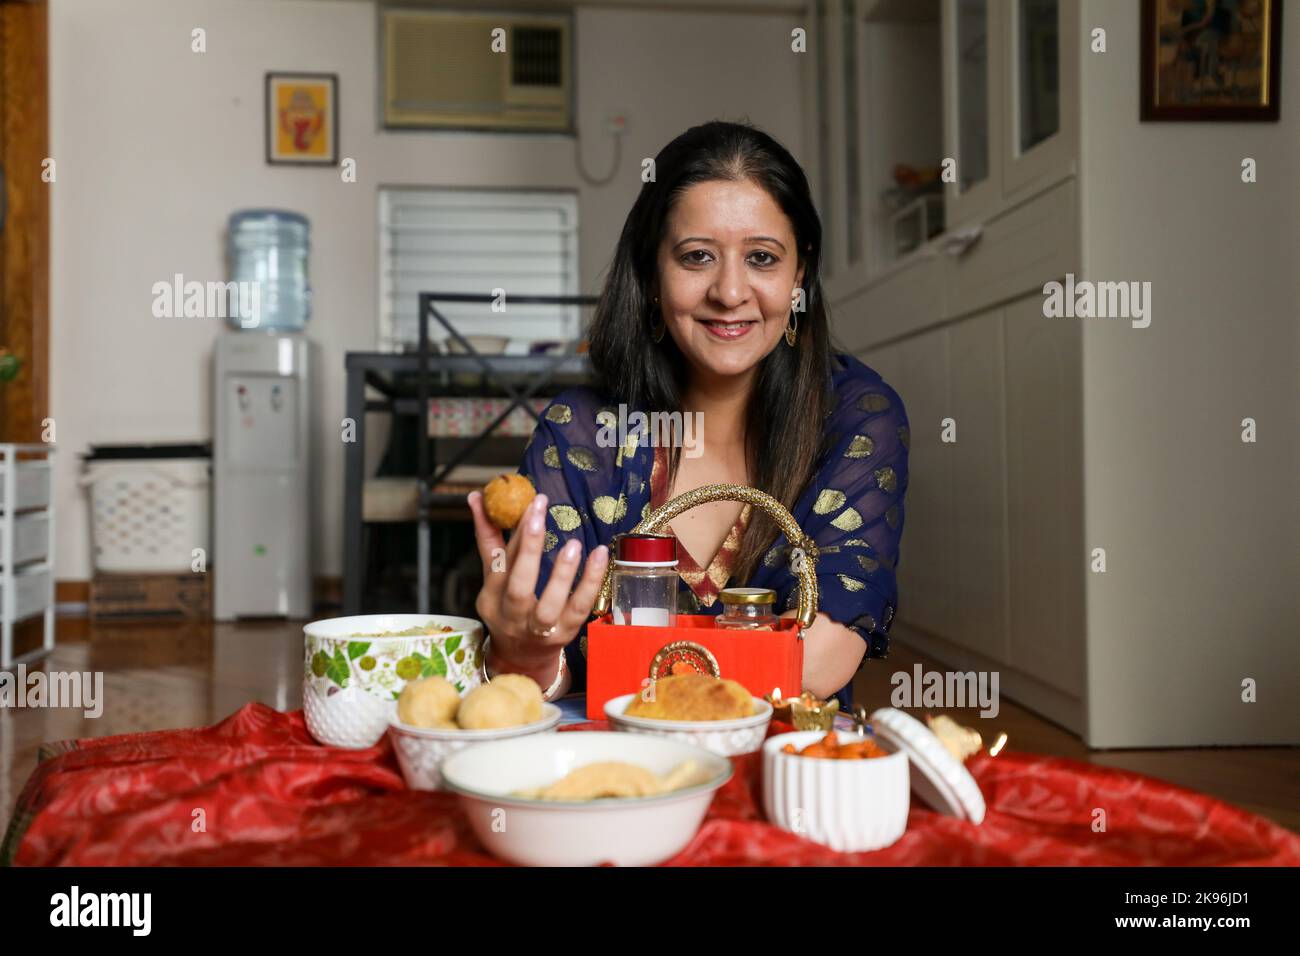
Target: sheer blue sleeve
(853,512)
(584,474)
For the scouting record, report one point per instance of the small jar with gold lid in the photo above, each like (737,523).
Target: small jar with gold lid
(747,609)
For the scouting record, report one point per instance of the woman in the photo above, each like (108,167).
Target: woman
(712,308)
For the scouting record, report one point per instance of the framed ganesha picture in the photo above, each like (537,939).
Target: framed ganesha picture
(1211,59)
(302,119)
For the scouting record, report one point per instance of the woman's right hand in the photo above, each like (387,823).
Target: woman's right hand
(529,633)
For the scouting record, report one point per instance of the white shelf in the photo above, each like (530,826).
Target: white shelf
(26,547)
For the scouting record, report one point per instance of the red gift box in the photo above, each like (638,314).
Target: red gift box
(619,656)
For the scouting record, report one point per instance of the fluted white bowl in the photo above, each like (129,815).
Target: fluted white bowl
(848,805)
(727,738)
(421,750)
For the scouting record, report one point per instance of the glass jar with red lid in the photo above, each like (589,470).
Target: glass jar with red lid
(643,585)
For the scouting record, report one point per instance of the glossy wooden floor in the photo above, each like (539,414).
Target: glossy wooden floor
(161,676)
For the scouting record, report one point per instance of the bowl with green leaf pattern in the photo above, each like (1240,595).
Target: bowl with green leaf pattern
(354,669)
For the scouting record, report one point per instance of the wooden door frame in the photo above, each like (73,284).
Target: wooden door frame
(25,238)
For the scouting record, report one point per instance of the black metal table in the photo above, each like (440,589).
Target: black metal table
(517,377)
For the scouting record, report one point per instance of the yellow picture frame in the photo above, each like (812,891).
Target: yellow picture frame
(302,119)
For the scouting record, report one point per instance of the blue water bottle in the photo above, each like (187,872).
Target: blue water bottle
(267,252)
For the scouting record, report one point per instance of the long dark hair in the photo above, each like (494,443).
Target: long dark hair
(792,396)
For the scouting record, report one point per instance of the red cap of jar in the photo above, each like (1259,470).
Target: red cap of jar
(647,548)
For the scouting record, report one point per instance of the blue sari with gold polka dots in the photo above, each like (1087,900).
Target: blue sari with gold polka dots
(852,509)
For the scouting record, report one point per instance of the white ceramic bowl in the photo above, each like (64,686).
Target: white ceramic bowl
(421,750)
(351,681)
(848,805)
(728,738)
(633,831)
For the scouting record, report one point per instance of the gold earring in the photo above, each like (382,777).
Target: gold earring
(792,330)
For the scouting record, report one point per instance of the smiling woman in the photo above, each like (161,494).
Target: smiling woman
(713,307)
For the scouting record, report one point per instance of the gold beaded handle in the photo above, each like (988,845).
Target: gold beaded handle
(804,565)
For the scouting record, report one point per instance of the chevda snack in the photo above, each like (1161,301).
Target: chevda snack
(431,702)
(505,498)
(489,707)
(526,689)
(693,697)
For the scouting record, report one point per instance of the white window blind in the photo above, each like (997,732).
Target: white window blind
(462,240)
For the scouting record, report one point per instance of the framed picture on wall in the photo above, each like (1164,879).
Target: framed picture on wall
(1211,59)
(302,112)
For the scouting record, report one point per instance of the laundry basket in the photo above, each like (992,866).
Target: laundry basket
(149,506)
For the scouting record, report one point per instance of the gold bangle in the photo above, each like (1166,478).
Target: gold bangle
(486,676)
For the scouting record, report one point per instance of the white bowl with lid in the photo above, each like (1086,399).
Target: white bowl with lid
(852,806)
(938,779)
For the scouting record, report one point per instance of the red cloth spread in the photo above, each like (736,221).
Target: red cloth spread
(270,795)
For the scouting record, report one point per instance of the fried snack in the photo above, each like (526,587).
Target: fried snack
(430,702)
(830,748)
(693,697)
(489,707)
(961,742)
(614,778)
(505,498)
(526,689)
(597,781)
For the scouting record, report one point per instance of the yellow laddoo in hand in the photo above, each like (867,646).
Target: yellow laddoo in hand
(430,702)
(489,707)
(527,690)
(506,498)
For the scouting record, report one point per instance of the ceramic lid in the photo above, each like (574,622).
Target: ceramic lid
(939,779)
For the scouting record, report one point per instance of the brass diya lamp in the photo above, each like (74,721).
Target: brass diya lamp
(805,712)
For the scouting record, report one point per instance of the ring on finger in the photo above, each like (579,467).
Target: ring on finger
(539,631)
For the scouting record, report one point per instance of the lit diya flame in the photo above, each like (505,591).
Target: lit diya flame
(998,745)
(806,711)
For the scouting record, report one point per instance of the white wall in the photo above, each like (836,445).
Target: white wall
(156,145)
(1202,532)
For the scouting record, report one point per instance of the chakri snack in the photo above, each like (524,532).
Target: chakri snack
(692,697)
(615,778)
(506,498)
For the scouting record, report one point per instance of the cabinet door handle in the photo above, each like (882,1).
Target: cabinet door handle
(958,242)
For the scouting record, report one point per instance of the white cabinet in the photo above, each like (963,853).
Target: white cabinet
(973,47)
(1040,93)
(925,568)
(1045,493)
(992,566)
(976,383)
(26,546)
